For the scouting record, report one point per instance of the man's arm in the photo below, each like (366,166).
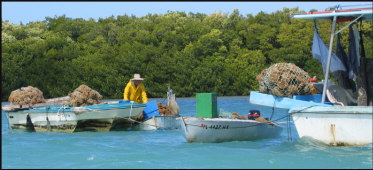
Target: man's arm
(143,94)
(126,92)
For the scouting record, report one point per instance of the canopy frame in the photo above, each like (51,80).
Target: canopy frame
(335,14)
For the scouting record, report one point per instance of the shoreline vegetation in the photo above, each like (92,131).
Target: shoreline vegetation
(191,52)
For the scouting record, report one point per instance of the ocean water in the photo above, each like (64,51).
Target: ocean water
(163,149)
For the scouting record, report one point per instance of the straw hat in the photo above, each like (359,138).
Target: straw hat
(137,77)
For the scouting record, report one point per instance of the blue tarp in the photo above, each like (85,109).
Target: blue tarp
(151,110)
(320,52)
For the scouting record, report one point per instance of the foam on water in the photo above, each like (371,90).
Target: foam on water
(169,149)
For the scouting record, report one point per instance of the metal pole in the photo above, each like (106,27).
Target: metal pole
(329,58)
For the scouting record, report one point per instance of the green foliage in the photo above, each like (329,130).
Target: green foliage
(192,52)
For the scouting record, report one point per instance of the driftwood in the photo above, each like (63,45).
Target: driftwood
(53,101)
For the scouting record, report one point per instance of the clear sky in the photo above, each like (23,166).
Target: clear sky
(25,12)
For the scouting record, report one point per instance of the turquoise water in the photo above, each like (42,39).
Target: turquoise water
(168,148)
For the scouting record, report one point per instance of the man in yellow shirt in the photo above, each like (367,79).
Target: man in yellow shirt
(135,90)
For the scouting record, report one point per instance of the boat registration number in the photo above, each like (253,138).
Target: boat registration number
(213,126)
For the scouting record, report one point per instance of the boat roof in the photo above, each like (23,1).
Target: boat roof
(327,15)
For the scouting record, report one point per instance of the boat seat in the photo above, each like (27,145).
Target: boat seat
(339,95)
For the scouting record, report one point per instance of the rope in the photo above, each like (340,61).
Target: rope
(186,129)
(157,106)
(129,118)
(274,121)
(259,124)
(289,129)
(303,109)
(288,121)
(164,99)
(58,112)
(316,26)
(48,123)
(139,122)
(273,108)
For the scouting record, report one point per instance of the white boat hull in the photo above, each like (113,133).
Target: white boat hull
(160,122)
(62,122)
(73,119)
(337,125)
(106,120)
(224,130)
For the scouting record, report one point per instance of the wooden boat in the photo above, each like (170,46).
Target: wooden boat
(63,118)
(330,121)
(196,129)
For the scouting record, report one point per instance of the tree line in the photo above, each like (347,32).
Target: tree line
(190,52)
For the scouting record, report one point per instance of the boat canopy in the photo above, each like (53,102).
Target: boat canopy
(351,15)
(365,13)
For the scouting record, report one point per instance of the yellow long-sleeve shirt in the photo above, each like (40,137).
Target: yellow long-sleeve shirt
(136,94)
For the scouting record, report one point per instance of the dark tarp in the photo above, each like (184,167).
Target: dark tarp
(342,76)
(365,79)
(353,58)
(341,54)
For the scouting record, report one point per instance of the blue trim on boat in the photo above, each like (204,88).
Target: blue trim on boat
(269,100)
(66,108)
(333,110)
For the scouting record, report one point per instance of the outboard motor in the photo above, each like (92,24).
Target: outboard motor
(253,114)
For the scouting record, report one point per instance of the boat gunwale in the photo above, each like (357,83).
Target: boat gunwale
(68,109)
(218,119)
(228,120)
(330,112)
